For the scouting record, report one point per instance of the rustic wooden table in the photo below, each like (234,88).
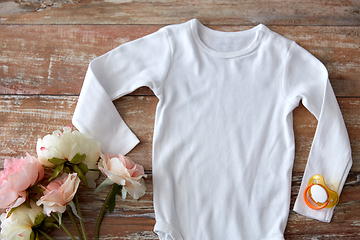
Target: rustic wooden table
(46,46)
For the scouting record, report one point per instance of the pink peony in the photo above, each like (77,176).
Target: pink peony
(59,193)
(17,176)
(123,171)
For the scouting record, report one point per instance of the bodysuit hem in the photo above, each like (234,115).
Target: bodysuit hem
(275,238)
(163,227)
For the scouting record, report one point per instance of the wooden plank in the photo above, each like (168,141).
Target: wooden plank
(344,224)
(43,61)
(26,118)
(135,219)
(292,12)
(53,59)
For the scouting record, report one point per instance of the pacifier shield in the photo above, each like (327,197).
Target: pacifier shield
(320,194)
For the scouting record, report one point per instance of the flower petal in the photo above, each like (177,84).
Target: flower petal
(137,192)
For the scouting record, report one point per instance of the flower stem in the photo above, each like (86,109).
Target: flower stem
(101,215)
(81,219)
(45,235)
(72,218)
(64,227)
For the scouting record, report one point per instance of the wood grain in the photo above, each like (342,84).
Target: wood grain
(53,59)
(24,119)
(222,12)
(135,219)
(46,46)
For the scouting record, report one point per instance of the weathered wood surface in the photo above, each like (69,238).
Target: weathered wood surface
(26,118)
(46,46)
(135,219)
(224,12)
(53,59)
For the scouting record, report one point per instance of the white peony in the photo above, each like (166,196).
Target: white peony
(65,145)
(18,226)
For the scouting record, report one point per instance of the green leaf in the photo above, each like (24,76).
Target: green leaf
(38,219)
(117,190)
(73,209)
(59,217)
(123,193)
(78,158)
(66,169)
(50,225)
(50,219)
(57,161)
(112,201)
(36,189)
(32,235)
(83,167)
(27,203)
(104,184)
(56,172)
(81,175)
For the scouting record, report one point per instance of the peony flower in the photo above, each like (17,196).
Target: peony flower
(65,145)
(18,225)
(59,193)
(17,176)
(123,171)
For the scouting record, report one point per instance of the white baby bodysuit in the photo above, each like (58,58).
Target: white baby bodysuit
(223,145)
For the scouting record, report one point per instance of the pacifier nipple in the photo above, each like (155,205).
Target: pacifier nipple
(318,194)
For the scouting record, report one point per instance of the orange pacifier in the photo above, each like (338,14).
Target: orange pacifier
(321,196)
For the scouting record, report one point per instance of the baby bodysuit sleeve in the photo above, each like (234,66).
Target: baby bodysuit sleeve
(142,62)
(306,79)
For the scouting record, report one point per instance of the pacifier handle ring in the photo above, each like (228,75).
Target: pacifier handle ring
(307,200)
